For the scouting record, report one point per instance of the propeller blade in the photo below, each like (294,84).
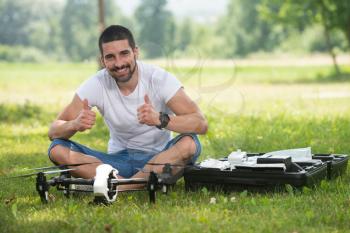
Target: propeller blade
(59,171)
(26,175)
(128,180)
(61,166)
(47,172)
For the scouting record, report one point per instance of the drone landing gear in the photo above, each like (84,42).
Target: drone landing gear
(42,187)
(66,190)
(152,184)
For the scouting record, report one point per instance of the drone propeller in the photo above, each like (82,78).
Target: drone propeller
(127,180)
(62,166)
(47,172)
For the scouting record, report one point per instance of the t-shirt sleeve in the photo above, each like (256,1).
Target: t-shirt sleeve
(168,85)
(91,90)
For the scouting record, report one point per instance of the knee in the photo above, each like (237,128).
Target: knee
(187,147)
(60,154)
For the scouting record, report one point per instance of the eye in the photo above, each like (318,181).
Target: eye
(109,57)
(125,52)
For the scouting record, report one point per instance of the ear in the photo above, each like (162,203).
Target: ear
(136,52)
(102,63)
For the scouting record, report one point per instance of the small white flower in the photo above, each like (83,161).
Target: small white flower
(233,199)
(213,200)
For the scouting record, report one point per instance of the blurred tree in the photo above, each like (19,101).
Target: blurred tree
(332,14)
(244,32)
(34,24)
(15,17)
(80,27)
(184,34)
(45,27)
(156,30)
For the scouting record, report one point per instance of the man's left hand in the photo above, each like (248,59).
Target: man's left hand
(146,113)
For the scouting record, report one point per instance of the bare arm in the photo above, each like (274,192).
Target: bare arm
(188,118)
(77,116)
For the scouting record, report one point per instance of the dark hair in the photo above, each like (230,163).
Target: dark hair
(116,32)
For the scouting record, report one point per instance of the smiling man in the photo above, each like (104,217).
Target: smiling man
(140,103)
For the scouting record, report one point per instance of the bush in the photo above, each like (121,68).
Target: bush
(313,40)
(14,113)
(21,54)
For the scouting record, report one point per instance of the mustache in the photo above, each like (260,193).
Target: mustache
(120,67)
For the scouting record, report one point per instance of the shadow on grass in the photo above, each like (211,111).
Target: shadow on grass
(333,77)
(318,78)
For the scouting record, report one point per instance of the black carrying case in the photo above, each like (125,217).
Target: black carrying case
(336,163)
(297,174)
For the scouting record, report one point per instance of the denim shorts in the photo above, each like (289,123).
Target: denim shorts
(127,161)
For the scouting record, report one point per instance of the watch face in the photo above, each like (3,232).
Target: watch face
(164,119)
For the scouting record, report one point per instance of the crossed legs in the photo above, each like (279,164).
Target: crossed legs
(63,155)
(180,153)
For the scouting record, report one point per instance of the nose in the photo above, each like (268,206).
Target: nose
(118,62)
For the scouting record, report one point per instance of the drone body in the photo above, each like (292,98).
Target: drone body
(104,186)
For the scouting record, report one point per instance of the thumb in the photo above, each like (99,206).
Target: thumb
(86,104)
(147,100)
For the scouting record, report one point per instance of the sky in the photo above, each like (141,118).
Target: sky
(198,10)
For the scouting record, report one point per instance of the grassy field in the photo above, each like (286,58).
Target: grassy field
(254,108)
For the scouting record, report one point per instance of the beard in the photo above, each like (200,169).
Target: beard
(122,78)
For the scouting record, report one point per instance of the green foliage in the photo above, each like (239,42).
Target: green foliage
(312,40)
(26,112)
(156,28)
(332,15)
(68,30)
(14,17)
(244,32)
(79,27)
(79,19)
(184,34)
(31,23)
(21,54)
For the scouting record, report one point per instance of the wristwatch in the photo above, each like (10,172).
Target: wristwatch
(164,120)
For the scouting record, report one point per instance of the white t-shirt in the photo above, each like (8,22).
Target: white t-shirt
(120,112)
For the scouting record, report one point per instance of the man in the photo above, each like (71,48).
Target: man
(140,104)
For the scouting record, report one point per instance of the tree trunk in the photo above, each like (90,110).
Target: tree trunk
(101,25)
(101,15)
(330,49)
(327,28)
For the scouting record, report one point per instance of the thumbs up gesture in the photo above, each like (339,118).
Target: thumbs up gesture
(86,118)
(146,113)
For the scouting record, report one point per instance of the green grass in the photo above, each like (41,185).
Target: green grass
(256,112)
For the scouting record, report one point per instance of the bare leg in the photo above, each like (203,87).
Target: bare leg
(180,153)
(63,155)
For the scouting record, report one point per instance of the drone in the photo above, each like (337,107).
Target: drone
(105,189)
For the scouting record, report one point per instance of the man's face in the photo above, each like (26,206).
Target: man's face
(119,59)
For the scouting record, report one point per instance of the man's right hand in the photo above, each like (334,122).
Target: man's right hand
(86,118)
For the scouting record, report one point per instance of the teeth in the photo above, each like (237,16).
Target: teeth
(121,70)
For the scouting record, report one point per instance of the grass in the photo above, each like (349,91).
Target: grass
(261,109)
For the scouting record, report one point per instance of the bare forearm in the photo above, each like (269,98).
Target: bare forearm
(189,123)
(61,129)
